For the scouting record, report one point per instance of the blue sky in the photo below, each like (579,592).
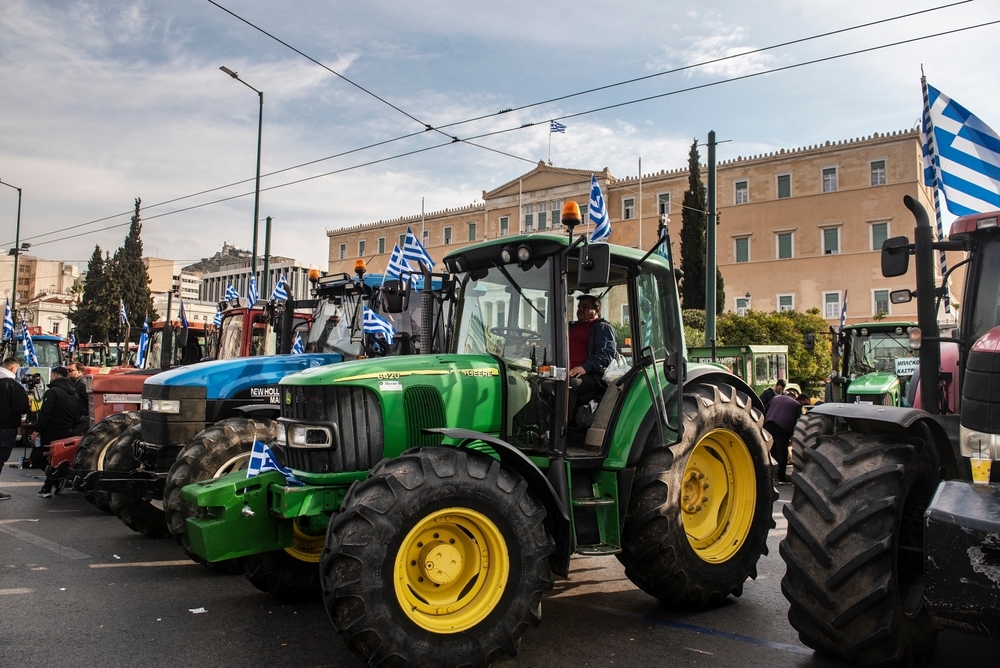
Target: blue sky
(107,101)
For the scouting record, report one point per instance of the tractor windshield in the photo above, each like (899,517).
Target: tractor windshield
(231,336)
(155,351)
(336,329)
(47,352)
(984,289)
(880,351)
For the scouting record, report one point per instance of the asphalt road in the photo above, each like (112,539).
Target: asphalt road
(78,588)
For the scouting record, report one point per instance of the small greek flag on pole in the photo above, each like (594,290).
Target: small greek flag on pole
(556,126)
(217,320)
(29,346)
(8,323)
(414,252)
(252,293)
(181,315)
(262,460)
(397,264)
(121,312)
(297,347)
(374,324)
(598,212)
(72,342)
(231,292)
(143,346)
(280,290)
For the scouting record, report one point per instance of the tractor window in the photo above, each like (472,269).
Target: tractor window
(985,288)
(155,350)
(231,338)
(333,329)
(262,338)
(879,351)
(657,314)
(47,352)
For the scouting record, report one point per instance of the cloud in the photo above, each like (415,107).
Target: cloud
(723,44)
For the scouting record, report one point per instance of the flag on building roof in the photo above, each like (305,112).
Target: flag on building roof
(598,212)
(556,126)
(262,460)
(297,347)
(8,323)
(397,264)
(280,291)
(231,292)
(217,320)
(252,293)
(29,346)
(414,252)
(121,312)
(374,324)
(140,358)
(180,314)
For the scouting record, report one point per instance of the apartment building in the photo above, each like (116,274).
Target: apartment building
(214,283)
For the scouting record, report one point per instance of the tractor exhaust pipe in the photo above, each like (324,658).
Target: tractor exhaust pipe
(930,350)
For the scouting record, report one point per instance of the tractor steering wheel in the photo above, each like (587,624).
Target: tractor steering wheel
(517,338)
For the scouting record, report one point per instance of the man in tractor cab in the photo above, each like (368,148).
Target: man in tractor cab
(592,346)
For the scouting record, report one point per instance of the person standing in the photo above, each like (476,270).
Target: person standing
(592,346)
(772,392)
(60,408)
(77,371)
(779,421)
(13,406)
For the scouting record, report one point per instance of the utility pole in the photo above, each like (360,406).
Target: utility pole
(710,259)
(16,251)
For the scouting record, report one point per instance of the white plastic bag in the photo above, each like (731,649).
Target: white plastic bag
(618,367)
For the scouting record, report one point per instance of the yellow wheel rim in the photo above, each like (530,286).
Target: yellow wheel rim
(305,547)
(718,496)
(451,570)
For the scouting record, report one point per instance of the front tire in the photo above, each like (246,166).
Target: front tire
(138,515)
(439,558)
(91,454)
(700,511)
(808,429)
(854,548)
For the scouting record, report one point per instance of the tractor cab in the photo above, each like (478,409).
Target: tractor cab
(878,363)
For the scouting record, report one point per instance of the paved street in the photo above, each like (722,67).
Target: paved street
(77,588)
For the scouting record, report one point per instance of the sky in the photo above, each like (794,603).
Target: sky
(107,101)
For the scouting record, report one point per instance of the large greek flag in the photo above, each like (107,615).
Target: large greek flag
(598,212)
(280,290)
(261,460)
(414,252)
(397,264)
(8,323)
(231,292)
(373,324)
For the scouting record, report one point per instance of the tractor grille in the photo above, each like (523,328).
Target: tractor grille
(358,415)
(876,399)
(424,410)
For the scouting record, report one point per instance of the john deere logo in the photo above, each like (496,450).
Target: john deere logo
(288,398)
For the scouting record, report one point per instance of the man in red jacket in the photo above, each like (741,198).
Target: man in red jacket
(13,406)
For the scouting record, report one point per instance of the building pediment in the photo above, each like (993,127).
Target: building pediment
(543,177)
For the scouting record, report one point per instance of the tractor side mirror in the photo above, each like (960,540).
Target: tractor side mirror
(392,296)
(675,368)
(895,256)
(900,296)
(595,266)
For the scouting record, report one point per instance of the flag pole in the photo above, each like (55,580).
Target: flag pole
(550,143)
(936,171)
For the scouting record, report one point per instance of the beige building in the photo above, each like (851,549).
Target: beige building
(166,276)
(798,228)
(36,277)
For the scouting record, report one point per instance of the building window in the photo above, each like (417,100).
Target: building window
(361,249)
(881,302)
(584,209)
(472,231)
(663,204)
(831,241)
(381,245)
(628,208)
(784,186)
(880,232)
(786,302)
(743,249)
(878,172)
(447,236)
(529,217)
(542,217)
(343,251)
(830,179)
(785,243)
(831,305)
(556,213)
(402,240)
(504,226)
(742,305)
(55,328)
(424,238)
(742,192)
(624,319)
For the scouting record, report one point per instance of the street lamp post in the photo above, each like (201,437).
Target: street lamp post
(16,250)
(256,195)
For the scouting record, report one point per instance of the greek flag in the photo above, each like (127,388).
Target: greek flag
(252,293)
(261,460)
(140,362)
(397,264)
(297,347)
(72,342)
(598,212)
(280,292)
(121,312)
(373,324)
(8,323)
(414,252)
(217,320)
(231,292)
(29,346)
(843,323)
(556,126)
(184,320)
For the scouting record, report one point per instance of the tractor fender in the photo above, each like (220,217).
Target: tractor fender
(557,518)
(913,421)
(709,373)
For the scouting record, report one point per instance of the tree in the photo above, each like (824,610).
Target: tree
(90,317)
(694,217)
(132,280)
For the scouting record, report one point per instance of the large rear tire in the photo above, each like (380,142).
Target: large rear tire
(854,548)
(439,558)
(808,429)
(138,515)
(700,510)
(91,454)
(220,449)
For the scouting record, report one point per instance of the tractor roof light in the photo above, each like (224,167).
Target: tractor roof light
(916,338)
(507,254)
(523,253)
(986,223)
(313,275)
(571,214)
(359,267)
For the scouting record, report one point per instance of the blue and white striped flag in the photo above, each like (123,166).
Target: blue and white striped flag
(231,292)
(297,347)
(374,324)
(29,346)
(140,358)
(280,291)
(397,264)
(121,312)
(8,323)
(556,126)
(252,294)
(262,459)
(598,212)
(181,315)
(414,252)
(217,320)
(72,342)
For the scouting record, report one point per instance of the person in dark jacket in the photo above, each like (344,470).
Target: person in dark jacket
(771,392)
(592,346)
(13,406)
(60,408)
(77,371)
(779,421)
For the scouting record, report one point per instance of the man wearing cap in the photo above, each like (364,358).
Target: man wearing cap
(779,421)
(60,409)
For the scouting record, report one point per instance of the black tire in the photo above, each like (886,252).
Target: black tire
(138,515)
(854,548)
(385,516)
(722,550)
(92,451)
(217,450)
(808,429)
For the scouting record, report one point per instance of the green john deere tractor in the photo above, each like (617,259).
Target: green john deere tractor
(877,364)
(442,492)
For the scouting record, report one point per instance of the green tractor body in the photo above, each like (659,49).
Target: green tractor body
(759,365)
(878,363)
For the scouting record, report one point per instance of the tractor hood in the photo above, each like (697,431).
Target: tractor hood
(873,383)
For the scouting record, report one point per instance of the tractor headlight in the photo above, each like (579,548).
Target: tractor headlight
(281,437)
(171,406)
(309,436)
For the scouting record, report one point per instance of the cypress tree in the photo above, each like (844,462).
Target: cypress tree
(83,314)
(693,217)
(132,281)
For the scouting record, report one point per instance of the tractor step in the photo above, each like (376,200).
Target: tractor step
(598,550)
(592,501)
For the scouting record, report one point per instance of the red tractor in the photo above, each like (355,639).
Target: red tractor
(889,538)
